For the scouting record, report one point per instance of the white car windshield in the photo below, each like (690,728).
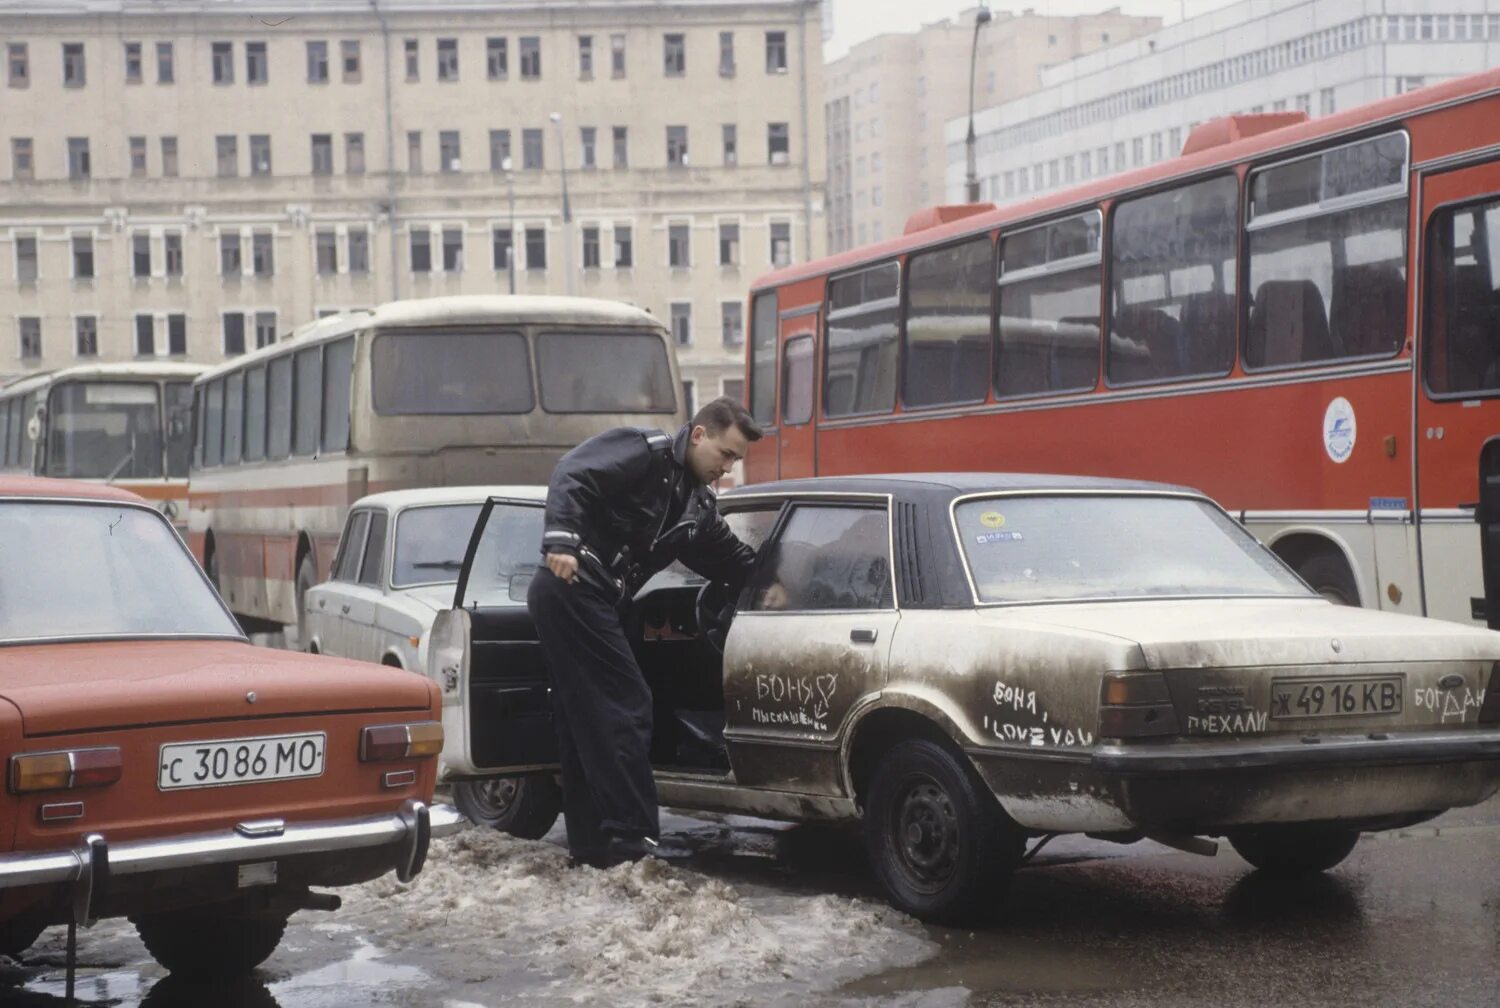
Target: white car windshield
(1061,548)
(99,570)
(431,543)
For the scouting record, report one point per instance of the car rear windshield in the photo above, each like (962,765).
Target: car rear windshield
(99,570)
(105,430)
(466,371)
(508,555)
(604,372)
(1061,548)
(431,542)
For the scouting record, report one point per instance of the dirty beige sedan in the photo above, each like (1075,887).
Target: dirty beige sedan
(971,664)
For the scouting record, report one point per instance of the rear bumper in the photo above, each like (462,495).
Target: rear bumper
(1459,746)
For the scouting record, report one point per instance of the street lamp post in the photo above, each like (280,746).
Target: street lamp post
(567,211)
(971,181)
(510,199)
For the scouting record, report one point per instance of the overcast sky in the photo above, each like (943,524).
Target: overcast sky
(856,20)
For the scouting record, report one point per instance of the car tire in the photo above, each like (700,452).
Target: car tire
(19,933)
(937,839)
(307,576)
(1292,850)
(210,942)
(1328,574)
(524,806)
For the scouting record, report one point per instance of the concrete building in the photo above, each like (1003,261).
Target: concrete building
(890,98)
(191,179)
(1133,104)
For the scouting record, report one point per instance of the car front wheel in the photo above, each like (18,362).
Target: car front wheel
(1294,849)
(208,942)
(938,841)
(521,806)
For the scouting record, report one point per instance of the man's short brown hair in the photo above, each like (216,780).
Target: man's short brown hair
(722,413)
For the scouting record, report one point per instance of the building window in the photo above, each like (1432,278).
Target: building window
(31,337)
(83,257)
(1326,104)
(327,250)
(689,396)
(531,149)
(317,62)
(448,151)
(679,245)
(18,63)
(171,246)
(677,148)
(137,157)
(322,153)
(502,247)
(359,250)
(682,322)
(79,166)
(227,155)
(140,255)
(22,163)
(145,336)
(177,334)
(74,71)
(590,248)
(499,150)
(587,147)
(86,336)
(624,253)
(349,54)
(229,254)
(169,157)
(531,57)
(414,152)
(731,144)
(354,153)
(781,243)
(26,259)
(536,248)
(621,147)
(726,54)
(234,334)
(165,71)
(734,388)
(447,67)
(265,329)
(732,323)
(674,55)
(617,56)
(586,57)
(262,256)
(421,250)
(260,154)
(729,243)
(134,64)
(496,58)
(778,143)
(776,52)
(453,250)
(413,61)
(223,62)
(257,63)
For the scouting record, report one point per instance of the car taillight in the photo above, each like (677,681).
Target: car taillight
(401,741)
(1135,705)
(69,768)
(1489,711)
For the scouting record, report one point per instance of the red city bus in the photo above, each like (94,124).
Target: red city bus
(1301,318)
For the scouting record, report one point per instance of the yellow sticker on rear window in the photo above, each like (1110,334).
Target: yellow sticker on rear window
(992,519)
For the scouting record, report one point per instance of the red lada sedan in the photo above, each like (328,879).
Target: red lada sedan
(160,767)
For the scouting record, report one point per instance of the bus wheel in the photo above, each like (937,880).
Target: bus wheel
(211,567)
(307,576)
(1327,574)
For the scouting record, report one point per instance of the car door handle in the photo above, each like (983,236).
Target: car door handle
(344,610)
(322,603)
(862,635)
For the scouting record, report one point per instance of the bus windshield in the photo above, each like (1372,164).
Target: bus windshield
(104,430)
(604,372)
(469,371)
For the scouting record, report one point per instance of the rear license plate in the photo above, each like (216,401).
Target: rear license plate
(1316,698)
(223,762)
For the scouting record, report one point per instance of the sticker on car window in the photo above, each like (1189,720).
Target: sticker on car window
(992,519)
(993,537)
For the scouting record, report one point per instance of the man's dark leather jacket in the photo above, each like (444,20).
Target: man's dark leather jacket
(625,503)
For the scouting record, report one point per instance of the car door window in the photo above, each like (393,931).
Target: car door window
(369,569)
(827,557)
(351,547)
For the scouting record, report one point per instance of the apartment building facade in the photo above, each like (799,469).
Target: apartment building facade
(192,179)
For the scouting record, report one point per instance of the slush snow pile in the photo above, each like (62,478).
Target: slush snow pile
(642,932)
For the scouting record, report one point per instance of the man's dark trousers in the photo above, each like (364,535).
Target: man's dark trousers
(602,708)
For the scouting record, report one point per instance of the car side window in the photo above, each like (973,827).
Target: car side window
(369,569)
(827,557)
(351,547)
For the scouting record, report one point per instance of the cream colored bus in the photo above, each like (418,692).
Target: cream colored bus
(432,392)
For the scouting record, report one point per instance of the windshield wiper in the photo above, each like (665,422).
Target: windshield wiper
(444,564)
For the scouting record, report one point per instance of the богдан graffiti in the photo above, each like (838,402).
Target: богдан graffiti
(1449,704)
(1027,723)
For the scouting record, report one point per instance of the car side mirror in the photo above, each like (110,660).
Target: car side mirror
(519,585)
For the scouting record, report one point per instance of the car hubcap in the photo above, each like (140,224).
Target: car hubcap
(927,832)
(498,795)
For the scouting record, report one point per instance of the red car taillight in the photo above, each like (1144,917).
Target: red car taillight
(1489,711)
(401,741)
(1135,705)
(63,769)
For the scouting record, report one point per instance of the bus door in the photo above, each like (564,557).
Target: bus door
(797,452)
(1457,429)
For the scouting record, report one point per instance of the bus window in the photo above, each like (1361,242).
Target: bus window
(255,414)
(178,400)
(604,373)
(309,398)
(431,372)
(797,381)
(234,416)
(213,424)
(279,408)
(1049,308)
(104,430)
(948,325)
(859,374)
(1461,348)
(763,358)
(6,409)
(338,375)
(1328,256)
(1172,273)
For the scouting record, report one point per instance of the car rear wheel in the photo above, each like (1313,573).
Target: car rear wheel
(938,841)
(1292,850)
(521,806)
(209,942)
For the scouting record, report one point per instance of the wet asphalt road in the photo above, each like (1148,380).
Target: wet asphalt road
(1410,919)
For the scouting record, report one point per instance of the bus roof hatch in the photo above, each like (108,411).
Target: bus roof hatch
(930,217)
(1228,129)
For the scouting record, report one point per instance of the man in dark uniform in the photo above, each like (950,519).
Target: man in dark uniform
(621,506)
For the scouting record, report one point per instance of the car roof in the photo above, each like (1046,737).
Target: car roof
(393,500)
(38,486)
(953,484)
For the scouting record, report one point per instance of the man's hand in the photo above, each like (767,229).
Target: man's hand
(564,565)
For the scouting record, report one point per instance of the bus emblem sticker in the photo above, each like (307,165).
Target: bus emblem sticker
(1339,430)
